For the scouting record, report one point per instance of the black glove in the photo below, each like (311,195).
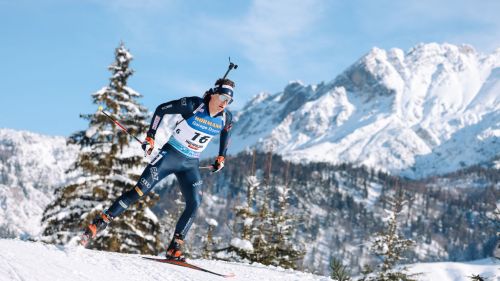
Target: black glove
(218,165)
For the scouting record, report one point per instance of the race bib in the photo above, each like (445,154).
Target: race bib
(192,136)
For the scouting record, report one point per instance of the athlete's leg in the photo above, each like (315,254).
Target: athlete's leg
(165,163)
(161,166)
(191,188)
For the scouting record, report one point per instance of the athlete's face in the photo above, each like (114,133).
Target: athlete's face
(219,101)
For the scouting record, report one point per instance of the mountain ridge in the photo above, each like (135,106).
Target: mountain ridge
(389,110)
(32,166)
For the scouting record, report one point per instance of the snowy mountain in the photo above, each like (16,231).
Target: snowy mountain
(21,261)
(31,167)
(432,110)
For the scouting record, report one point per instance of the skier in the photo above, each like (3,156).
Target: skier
(203,118)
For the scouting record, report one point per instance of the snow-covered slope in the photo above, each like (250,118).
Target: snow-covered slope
(489,269)
(432,110)
(20,260)
(31,167)
(36,261)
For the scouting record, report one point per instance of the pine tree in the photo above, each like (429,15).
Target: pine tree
(288,252)
(496,251)
(106,167)
(339,271)
(209,240)
(389,246)
(477,277)
(263,229)
(244,227)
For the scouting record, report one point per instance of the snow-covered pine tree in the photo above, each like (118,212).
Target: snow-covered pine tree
(246,223)
(287,248)
(107,167)
(246,213)
(241,247)
(209,240)
(339,271)
(496,218)
(263,221)
(263,230)
(389,246)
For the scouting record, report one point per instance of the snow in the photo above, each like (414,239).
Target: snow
(35,261)
(242,244)
(91,131)
(20,260)
(487,268)
(496,164)
(211,222)
(248,222)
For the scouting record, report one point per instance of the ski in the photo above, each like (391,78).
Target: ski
(188,265)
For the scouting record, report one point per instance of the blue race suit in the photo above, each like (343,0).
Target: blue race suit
(180,155)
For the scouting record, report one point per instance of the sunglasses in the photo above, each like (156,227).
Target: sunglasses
(225,98)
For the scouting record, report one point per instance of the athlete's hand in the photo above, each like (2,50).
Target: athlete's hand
(218,165)
(148,145)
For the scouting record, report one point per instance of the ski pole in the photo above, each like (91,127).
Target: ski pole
(206,167)
(120,125)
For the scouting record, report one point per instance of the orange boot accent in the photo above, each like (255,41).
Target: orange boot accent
(174,251)
(105,217)
(93,229)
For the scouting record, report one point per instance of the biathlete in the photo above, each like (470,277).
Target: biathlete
(203,119)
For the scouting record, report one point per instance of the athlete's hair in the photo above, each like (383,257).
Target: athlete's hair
(218,83)
(225,81)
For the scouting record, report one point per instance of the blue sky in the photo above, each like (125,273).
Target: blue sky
(54,54)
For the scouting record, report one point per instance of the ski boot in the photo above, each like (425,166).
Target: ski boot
(174,250)
(99,223)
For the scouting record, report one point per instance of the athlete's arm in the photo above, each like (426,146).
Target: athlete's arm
(225,135)
(183,106)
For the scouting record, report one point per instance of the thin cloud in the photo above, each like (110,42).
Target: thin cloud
(271,33)
(473,22)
